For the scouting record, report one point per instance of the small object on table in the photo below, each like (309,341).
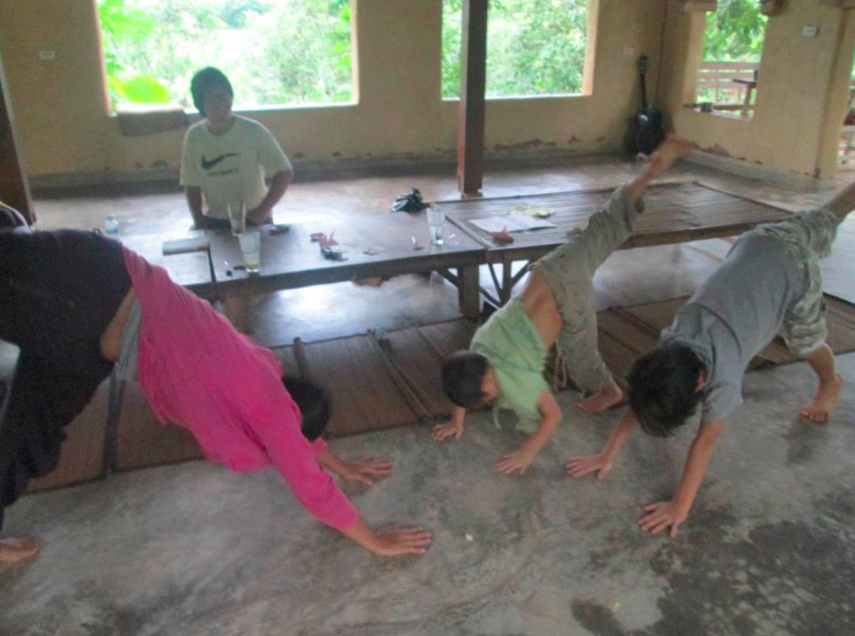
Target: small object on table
(371,251)
(250,247)
(416,245)
(181,246)
(321,239)
(333,253)
(504,237)
(237,216)
(111,225)
(279,229)
(373,281)
(228,269)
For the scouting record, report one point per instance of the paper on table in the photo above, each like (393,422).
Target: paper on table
(513,223)
(181,246)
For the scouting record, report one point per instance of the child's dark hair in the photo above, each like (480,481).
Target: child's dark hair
(205,79)
(314,404)
(462,375)
(663,388)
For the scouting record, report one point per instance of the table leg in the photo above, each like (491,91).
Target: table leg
(507,282)
(236,309)
(469,291)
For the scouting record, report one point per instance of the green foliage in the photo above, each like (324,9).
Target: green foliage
(735,32)
(274,51)
(145,90)
(534,47)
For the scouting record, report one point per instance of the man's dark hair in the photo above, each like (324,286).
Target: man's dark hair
(663,388)
(205,79)
(314,404)
(462,375)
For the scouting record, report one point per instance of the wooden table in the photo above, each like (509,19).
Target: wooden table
(191,270)
(292,259)
(675,213)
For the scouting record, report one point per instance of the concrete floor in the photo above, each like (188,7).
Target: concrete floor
(193,549)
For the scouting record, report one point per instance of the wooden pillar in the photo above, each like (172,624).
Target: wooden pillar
(473,83)
(14,190)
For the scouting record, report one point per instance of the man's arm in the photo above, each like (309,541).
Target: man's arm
(452,428)
(673,513)
(601,464)
(518,461)
(194,202)
(360,470)
(278,186)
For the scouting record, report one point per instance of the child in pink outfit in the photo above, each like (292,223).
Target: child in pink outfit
(194,369)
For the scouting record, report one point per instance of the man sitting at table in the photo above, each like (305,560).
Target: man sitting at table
(227,157)
(504,365)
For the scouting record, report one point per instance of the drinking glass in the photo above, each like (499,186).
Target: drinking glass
(436,221)
(250,247)
(237,216)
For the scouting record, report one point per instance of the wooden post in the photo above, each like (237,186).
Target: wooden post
(469,291)
(14,190)
(473,84)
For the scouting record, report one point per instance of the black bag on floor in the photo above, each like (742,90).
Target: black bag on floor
(409,202)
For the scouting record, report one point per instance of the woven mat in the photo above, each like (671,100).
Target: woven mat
(626,333)
(379,383)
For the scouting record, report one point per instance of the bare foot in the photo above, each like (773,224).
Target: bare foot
(14,549)
(608,396)
(824,401)
(672,149)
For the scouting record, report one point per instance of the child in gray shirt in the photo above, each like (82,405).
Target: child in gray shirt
(770,283)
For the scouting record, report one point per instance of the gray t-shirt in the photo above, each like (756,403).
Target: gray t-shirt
(735,314)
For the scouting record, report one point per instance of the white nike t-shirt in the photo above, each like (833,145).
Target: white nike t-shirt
(231,166)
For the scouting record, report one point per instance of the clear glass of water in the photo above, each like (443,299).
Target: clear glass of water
(436,221)
(237,216)
(111,225)
(250,247)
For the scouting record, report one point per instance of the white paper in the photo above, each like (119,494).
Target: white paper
(512,223)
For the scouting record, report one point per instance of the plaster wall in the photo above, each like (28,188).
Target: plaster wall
(801,96)
(66,129)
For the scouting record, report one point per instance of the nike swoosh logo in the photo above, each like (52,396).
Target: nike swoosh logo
(207,164)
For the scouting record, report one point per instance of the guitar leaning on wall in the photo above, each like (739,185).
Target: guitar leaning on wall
(650,131)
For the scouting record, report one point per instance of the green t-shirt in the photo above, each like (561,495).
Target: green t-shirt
(517,355)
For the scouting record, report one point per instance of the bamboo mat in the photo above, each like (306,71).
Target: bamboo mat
(627,333)
(674,212)
(378,383)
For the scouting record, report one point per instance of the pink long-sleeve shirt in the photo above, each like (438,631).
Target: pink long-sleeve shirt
(197,371)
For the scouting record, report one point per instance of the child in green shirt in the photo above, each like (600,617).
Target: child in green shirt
(504,366)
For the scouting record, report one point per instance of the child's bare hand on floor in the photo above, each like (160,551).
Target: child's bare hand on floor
(395,540)
(582,465)
(515,463)
(662,515)
(364,468)
(449,429)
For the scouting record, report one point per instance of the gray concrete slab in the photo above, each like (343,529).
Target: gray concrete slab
(191,550)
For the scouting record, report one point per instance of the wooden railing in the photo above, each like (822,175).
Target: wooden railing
(717,83)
